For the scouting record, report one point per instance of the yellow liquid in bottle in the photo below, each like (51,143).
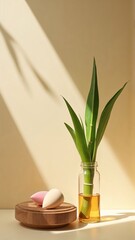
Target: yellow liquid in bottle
(89,208)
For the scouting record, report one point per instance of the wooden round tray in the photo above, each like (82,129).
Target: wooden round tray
(31,215)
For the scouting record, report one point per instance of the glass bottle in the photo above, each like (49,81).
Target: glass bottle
(89,193)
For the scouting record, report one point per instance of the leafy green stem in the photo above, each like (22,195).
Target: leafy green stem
(88,138)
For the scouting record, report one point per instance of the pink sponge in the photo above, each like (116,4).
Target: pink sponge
(38,197)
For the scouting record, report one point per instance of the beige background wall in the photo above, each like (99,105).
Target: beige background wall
(46,50)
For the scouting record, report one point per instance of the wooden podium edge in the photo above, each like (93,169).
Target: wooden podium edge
(31,215)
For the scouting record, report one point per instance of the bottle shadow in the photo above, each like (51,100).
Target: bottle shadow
(118,216)
(106,219)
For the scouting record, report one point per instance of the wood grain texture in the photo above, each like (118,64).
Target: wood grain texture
(32,215)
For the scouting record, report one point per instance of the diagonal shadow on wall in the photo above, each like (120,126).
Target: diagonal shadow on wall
(19,176)
(11,45)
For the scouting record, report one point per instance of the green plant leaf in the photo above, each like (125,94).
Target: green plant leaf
(91,111)
(71,131)
(105,115)
(79,134)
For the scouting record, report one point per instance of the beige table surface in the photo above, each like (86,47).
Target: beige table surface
(115,225)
